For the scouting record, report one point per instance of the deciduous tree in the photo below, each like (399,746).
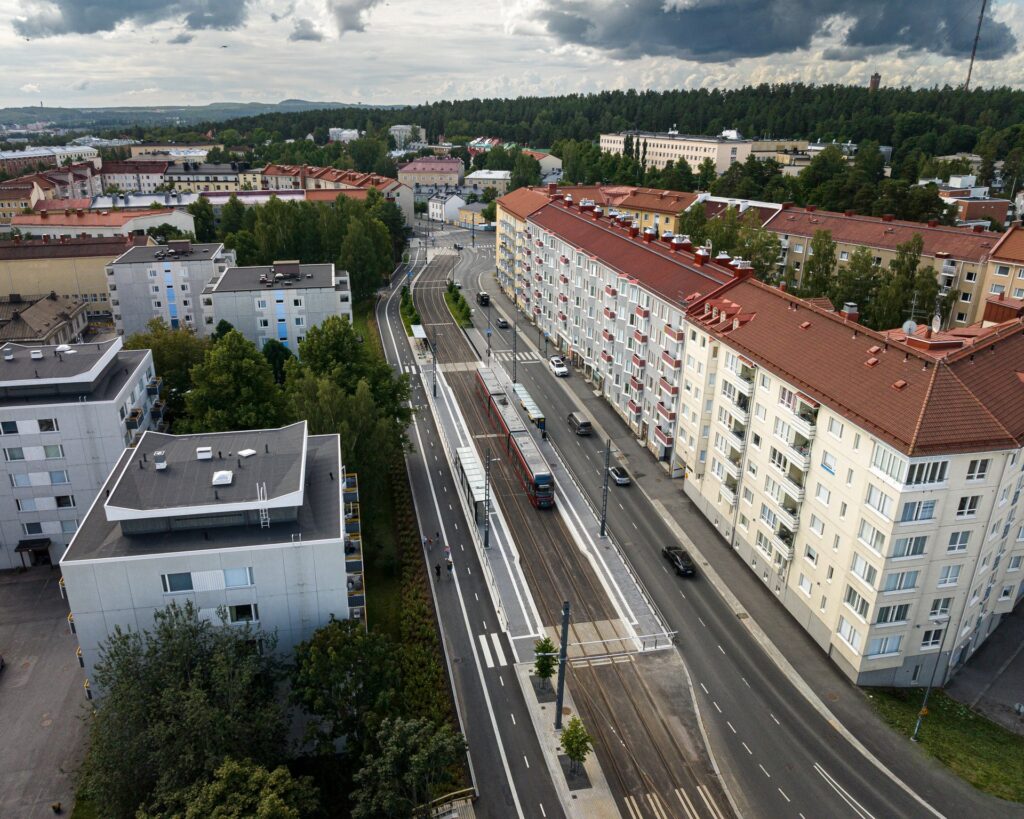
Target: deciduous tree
(175,353)
(576,742)
(544,659)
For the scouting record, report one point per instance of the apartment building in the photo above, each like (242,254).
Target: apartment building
(869,479)
(279,301)
(202,176)
(66,414)
(165,282)
(261,525)
(133,177)
(445,207)
(72,268)
(1004,272)
(14,201)
(50,155)
(45,319)
(650,207)
(671,146)
(312,178)
(173,151)
(958,255)
(68,223)
(511,214)
(429,170)
(481,180)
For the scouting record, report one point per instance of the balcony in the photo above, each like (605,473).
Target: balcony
(804,419)
(156,412)
(638,362)
(728,490)
(134,419)
(737,437)
(793,488)
(154,385)
(609,314)
(670,362)
(350,492)
(633,407)
(607,335)
(563,278)
(665,412)
(610,291)
(799,453)
(636,384)
(789,514)
(663,437)
(744,386)
(782,539)
(639,337)
(739,408)
(674,334)
(731,466)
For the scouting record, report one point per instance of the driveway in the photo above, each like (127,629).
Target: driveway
(42,734)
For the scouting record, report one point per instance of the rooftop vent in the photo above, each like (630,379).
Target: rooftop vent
(899,385)
(247,453)
(223,477)
(804,325)
(204,453)
(871,362)
(35,355)
(8,355)
(160,459)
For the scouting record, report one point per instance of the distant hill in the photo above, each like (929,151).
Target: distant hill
(86,118)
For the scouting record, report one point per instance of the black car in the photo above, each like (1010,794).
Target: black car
(680,560)
(502,322)
(457,246)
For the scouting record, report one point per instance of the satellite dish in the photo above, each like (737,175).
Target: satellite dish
(936,323)
(909,327)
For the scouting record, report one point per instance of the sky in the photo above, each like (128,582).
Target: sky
(150,52)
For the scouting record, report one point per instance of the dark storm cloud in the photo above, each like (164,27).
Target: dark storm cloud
(722,30)
(305,30)
(54,17)
(350,15)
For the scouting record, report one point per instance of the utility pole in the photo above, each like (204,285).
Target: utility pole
(563,654)
(515,330)
(604,486)
(945,621)
(433,372)
(974,48)
(487,499)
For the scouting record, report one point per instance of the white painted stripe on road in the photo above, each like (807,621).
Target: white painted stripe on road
(856,806)
(498,652)
(719,710)
(705,794)
(631,807)
(730,726)
(747,748)
(688,808)
(655,803)
(763,770)
(784,795)
(486,651)
(705,688)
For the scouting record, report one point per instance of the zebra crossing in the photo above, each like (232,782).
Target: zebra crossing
(498,657)
(525,357)
(409,368)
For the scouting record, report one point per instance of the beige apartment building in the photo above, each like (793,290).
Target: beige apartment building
(71,268)
(428,170)
(959,255)
(1004,273)
(674,147)
(871,480)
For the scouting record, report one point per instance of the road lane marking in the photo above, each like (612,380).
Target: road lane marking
(630,805)
(721,649)
(701,619)
(688,807)
(716,706)
(759,765)
(730,726)
(845,795)
(774,718)
(513,718)
(745,682)
(526,761)
(486,651)
(705,794)
(784,795)
(705,688)
(498,653)
(747,748)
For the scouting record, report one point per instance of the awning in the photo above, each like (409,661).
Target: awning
(419,332)
(36,544)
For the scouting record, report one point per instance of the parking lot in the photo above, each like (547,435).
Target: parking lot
(42,703)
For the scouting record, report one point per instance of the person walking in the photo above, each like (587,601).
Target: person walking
(437,570)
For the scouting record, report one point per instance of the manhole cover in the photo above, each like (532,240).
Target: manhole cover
(831,696)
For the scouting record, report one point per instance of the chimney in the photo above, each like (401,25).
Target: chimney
(811,208)
(850,311)
(887,217)
(782,286)
(684,241)
(666,237)
(933,223)
(700,257)
(787,205)
(552,188)
(979,228)
(649,235)
(847,213)
(634,229)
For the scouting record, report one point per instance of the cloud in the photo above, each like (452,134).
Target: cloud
(51,18)
(30,88)
(725,30)
(279,16)
(182,39)
(351,15)
(305,29)
(134,92)
(80,85)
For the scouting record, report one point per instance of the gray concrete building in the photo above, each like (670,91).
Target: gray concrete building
(66,414)
(279,301)
(164,282)
(259,525)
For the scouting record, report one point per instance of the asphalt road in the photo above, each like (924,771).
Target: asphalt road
(779,755)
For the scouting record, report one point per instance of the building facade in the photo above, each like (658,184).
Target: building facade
(481,180)
(202,176)
(43,319)
(133,177)
(431,171)
(1004,271)
(66,415)
(662,148)
(445,207)
(57,224)
(279,301)
(164,282)
(253,524)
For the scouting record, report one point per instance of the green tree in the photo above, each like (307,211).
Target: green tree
(202,215)
(234,389)
(525,171)
(277,356)
(856,282)
(706,174)
(243,242)
(346,678)
(817,273)
(165,231)
(898,287)
(231,216)
(361,257)
(175,353)
(178,699)
(412,763)
(544,659)
(490,212)
(693,223)
(758,246)
(576,743)
(222,329)
(365,152)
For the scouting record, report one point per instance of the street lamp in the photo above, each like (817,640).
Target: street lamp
(487,498)
(944,620)
(515,330)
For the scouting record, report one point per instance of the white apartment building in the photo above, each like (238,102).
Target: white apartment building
(674,147)
(141,176)
(260,524)
(871,480)
(279,301)
(445,207)
(164,282)
(66,414)
(343,134)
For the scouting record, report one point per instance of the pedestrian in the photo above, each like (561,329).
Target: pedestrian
(426,540)
(437,536)
(437,570)
(451,566)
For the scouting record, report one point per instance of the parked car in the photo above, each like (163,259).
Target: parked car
(502,322)
(619,475)
(558,366)
(680,560)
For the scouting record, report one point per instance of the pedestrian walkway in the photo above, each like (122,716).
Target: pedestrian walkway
(498,657)
(527,357)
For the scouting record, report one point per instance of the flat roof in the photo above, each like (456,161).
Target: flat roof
(237,279)
(60,362)
(319,515)
(148,253)
(105,384)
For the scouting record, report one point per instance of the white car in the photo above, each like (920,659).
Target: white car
(558,366)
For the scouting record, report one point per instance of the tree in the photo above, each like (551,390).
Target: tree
(544,659)
(706,174)
(165,231)
(346,678)
(758,246)
(817,273)
(856,282)
(231,216)
(234,389)
(490,212)
(202,214)
(899,285)
(178,699)
(576,743)
(277,356)
(411,764)
(222,329)
(365,152)
(244,244)
(175,353)
(525,171)
(361,258)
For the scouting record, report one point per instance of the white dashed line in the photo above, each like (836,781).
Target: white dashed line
(747,748)
(705,688)
(759,765)
(774,718)
(702,622)
(784,795)
(730,726)
(719,710)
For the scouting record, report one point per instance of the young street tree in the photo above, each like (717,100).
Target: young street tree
(576,743)
(545,659)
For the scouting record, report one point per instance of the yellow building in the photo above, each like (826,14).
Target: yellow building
(510,240)
(71,268)
(1004,272)
(471,215)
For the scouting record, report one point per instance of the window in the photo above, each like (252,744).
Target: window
(261,304)
(879,501)
(300,321)
(828,462)
(822,494)
(940,606)
(909,546)
(1006,593)
(9,428)
(53,451)
(238,578)
(869,535)
(889,644)
(864,570)
(65,501)
(968,506)
(20,479)
(810,555)
(892,614)
(176,582)
(1015,563)
(927,473)
(32,528)
(69,527)
(297,302)
(25,504)
(244,613)
(835,427)
(915,511)
(48,425)
(900,581)
(932,638)
(14,453)
(768,516)
(805,585)
(977,469)
(816,525)
(849,633)
(958,541)
(949,576)
(59,476)
(264,322)
(857,603)
(886,461)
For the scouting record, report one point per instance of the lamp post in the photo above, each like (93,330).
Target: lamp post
(515,330)
(487,498)
(433,371)
(943,619)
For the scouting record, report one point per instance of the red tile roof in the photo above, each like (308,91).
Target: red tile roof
(1010,248)
(675,277)
(523,201)
(62,204)
(922,402)
(88,218)
(651,199)
(431,165)
(870,231)
(139,167)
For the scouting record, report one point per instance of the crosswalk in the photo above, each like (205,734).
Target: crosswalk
(409,368)
(652,804)
(526,357)
(490,641)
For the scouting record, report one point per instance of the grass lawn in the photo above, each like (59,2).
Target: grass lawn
(84,810)
(976,749)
